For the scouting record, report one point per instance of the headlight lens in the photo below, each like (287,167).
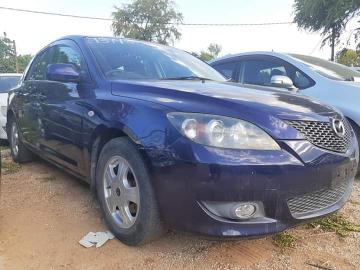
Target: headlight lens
(222,132)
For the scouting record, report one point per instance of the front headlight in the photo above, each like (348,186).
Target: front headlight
(222,132)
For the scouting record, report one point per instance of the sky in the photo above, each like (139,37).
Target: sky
(34,31)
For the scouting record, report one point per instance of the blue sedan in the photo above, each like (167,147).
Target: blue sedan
(166,142)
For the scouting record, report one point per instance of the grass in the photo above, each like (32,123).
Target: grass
(10,167)
(46,178)
(284,240)
(4,147)
(354,202)
(336,223)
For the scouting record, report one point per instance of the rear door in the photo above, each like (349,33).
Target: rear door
(27,107)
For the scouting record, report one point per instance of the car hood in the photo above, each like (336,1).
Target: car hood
(210,97)
(267,108)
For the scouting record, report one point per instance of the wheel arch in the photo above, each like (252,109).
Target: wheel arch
(100,136)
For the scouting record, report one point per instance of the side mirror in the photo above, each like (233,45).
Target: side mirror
(62,73)
(282,82)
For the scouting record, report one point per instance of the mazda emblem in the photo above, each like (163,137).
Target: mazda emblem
(338,127)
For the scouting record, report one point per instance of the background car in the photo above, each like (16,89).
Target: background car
(356,68)
(325,81)
(165,141)
(7,81)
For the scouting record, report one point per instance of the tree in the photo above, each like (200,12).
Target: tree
(330,17)
(150,20)
(7,55)
(23,61)
(9,61)
(348,57)
(212,52)
(214,49)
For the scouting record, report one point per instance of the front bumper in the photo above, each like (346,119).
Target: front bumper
(189,174)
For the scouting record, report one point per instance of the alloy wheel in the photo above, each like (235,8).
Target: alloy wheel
(121,192)
(14,139)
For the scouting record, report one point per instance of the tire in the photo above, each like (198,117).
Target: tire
(357,133)
(129,206)
(19,152)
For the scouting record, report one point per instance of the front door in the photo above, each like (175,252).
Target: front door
(62,110)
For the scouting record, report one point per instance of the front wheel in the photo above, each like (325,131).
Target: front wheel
(19,152)
(125,193)
(357,133)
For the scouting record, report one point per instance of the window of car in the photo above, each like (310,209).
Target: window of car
(259,72)
(328,69)
(227,69)
(65,54)
(38,67)
(121,59)
(8,82)
(300,80)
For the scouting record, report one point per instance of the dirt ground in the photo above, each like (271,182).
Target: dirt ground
(45,212)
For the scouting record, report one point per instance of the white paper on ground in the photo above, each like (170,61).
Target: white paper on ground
(98,239)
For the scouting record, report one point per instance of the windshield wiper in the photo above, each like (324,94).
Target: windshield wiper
(183,78)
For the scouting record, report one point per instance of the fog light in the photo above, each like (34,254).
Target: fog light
(245,211)
(240,211)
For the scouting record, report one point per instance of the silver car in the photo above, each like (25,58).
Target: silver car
(7,81)
(325,81)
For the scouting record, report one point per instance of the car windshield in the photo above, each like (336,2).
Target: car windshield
(8,82)
(328,69)
(122,59)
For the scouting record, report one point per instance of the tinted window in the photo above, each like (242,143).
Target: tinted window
(38,67)
(327,69)
(226,69)
(300,80)
(131,60)
(8,82)
(63,54)
(259,72)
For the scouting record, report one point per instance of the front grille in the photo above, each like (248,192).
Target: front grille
(305,204)
(321,134)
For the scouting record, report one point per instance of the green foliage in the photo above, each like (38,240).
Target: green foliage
(284,240)
(336,223)
(23,61)
(214,49)
(7,55)
(212,52)
(150,20)
(330,17)
(10,167)
(348,57)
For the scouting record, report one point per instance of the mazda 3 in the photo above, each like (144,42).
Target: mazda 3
(165,141)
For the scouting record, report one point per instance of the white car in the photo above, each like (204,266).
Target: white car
(328,82)
(7,82)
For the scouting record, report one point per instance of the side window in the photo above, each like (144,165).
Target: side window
(301,81)
(37,70)
(63,54)
(259,72)
(226,69)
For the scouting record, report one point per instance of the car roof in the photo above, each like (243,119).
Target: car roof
(82,37)
(268,53)
(10,74)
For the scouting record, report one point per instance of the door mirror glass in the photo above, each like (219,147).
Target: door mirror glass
(282,82)
(62,73)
